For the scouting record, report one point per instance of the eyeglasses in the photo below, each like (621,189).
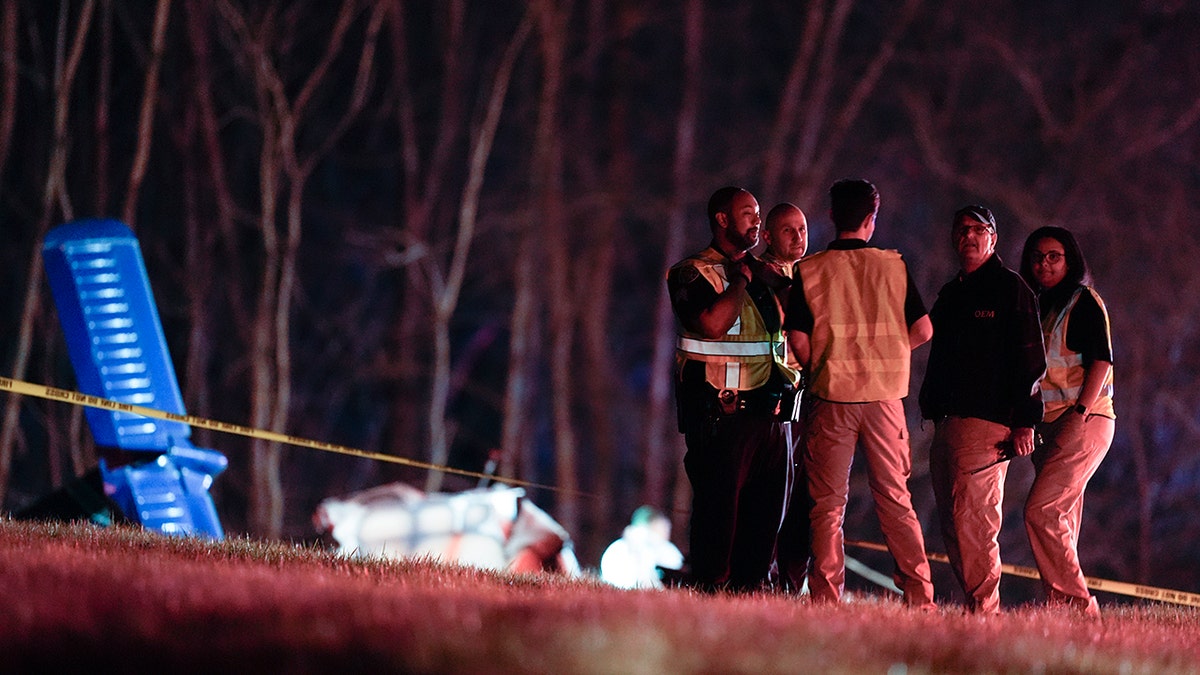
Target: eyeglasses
(977,230)
(1051,257)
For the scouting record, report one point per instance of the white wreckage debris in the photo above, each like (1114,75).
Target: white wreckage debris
(493,528)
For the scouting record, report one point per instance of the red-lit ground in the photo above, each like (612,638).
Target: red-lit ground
(117,599)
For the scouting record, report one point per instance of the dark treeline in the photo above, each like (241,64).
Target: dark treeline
(433,229)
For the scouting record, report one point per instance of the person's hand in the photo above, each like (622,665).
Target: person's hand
(773,278)
(738,268)
(1022,440)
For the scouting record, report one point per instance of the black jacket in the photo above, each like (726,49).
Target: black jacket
(987,356)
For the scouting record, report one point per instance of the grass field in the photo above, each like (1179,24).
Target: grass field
(82,599)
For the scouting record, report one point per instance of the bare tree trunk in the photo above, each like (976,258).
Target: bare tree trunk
(816,107)
(613,183)
(66,66)
(814,160)
(198,260)
(283,170)
(805,103)
(103,104)
(81,445)
(264,463)
(9,18)
(518,456)
(663,445)
(8,112)
(548,188)
(272,501)
(206,238)
(57,443)
(1133,415)
(423,186)
(448,290)
(83,450)
(516,434)
(298,171)
(786,119)
(265,492)
(146,116)
(263,481)
(199,29)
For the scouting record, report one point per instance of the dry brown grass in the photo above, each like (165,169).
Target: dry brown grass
(110,600)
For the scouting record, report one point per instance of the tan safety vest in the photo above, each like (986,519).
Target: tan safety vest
(743,357)
(1064,368)
(860,347)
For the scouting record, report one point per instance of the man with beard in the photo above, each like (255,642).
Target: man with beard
(731,376)
(981,390)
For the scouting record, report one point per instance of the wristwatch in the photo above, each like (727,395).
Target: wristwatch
(1081,409)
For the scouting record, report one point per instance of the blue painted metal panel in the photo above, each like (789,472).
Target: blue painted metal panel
(119,351)
(114,334)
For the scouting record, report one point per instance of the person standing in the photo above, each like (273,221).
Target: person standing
(852,321)
(731,377)
(1079,420)
(981,390)
(786,234)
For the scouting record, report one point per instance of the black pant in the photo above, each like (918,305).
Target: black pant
(794,546)
(737,465)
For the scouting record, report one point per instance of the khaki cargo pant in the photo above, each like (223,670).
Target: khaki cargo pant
(970,505)
(833,431)
(1054,507)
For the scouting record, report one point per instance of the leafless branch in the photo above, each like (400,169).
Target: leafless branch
(146,115)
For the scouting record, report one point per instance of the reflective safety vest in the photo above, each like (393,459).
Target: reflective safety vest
(860,347)
(1064,368)
(743,357)
(786,268)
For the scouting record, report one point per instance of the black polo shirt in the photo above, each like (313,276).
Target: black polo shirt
(986,357)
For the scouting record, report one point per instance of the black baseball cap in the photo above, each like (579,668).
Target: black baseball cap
(977,213)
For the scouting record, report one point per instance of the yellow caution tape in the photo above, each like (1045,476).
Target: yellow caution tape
(1118,587)
(77,398)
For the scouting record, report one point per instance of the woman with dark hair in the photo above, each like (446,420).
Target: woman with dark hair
(1078,422)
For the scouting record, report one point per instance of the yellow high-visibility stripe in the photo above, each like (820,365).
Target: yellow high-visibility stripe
(714,348)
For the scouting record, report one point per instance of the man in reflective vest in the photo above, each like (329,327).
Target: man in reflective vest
(853,319)
(731,377)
